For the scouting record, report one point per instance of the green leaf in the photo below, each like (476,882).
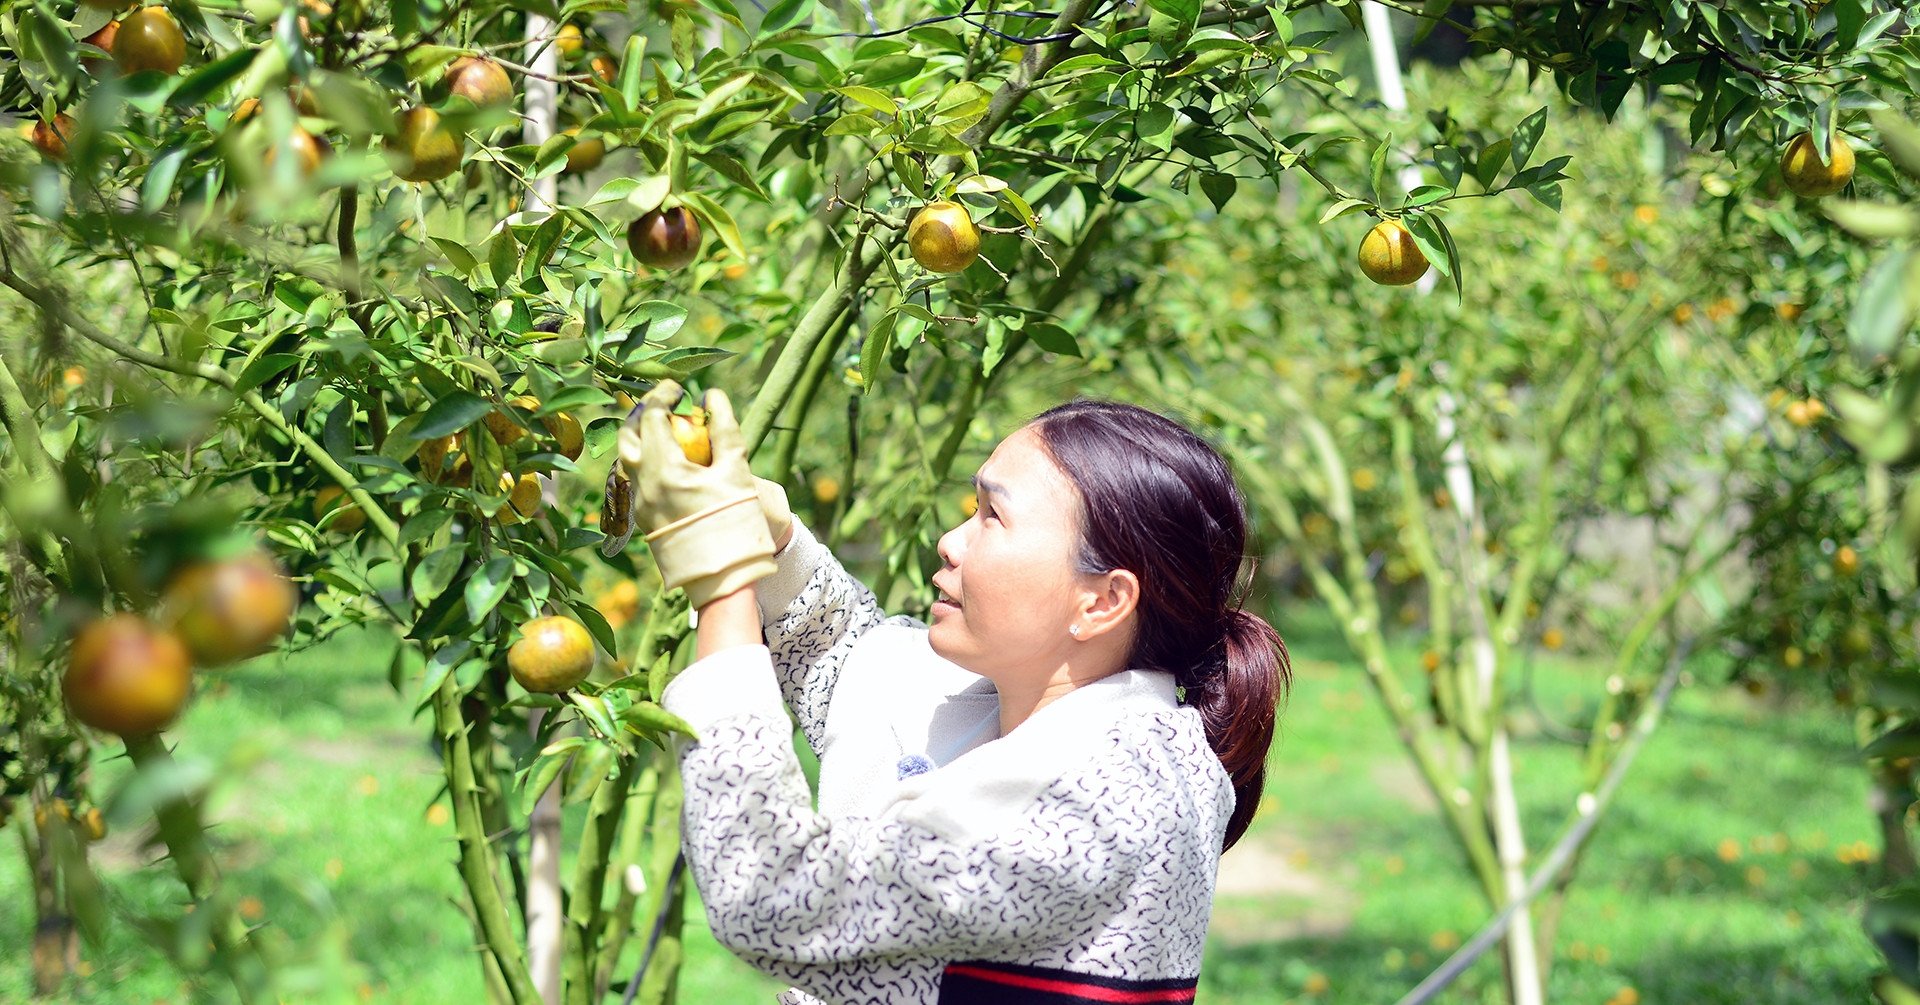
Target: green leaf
(784,13)
(733,171)
(960,106)
(874,350)
(545,769)
(1901,142)
(1492,159)
(871,97)
(596,711)
(488,587)
(1219,189)
(452,413)
(1377,169)
(195,90)
(596,626)
(1875,220)
(1053,338)
(717,217)
(1883,311)
(645,717)
(436,572)
(1526,136)
(1340,209)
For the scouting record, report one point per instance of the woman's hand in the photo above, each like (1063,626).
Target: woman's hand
(703,523)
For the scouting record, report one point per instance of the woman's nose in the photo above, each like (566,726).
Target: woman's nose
(950,546)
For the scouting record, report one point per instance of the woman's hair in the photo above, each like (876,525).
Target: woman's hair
(1160,502)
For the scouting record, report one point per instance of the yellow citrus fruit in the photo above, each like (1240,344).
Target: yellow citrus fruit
(523,497)
(421,149)
(1389,257)
(232,609)
(433,454)
(149,39)
(93,824)
(826,489)
(585,155)
(1553,638)
(1846,561)
(126,676)
(1430,661)
(691,433)
(332,497)
(1793,657)
(1806,176)
(1683,314)
(569,40)
(569,439)
(552,655)
(1798,415)
(943,238)
(604,68)
(507,432)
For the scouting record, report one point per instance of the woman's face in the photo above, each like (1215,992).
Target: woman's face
(1009,590)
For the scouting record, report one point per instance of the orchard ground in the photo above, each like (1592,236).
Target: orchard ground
(1731,870)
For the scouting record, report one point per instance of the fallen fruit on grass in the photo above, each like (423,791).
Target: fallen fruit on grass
(943,238)
(1389,257)
(126,676)
(554,653)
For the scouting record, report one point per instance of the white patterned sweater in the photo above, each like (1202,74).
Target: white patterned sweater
(1073,857)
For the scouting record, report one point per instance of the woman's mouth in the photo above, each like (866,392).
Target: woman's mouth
(945,599)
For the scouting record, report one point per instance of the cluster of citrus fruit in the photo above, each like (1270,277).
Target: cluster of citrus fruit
(130,675)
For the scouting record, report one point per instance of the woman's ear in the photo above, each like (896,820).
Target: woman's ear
(1108,604)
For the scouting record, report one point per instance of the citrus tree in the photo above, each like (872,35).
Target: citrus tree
(353,297)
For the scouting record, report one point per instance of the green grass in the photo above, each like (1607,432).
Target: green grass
(328,826)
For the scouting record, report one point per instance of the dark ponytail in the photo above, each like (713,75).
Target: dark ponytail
(1161,503)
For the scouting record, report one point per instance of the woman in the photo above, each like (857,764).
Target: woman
(1024,802)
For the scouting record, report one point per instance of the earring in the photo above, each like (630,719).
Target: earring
(1074,631)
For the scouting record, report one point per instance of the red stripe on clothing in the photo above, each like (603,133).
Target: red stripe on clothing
(1091,992)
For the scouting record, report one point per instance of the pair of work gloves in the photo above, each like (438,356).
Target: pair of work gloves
(712,528)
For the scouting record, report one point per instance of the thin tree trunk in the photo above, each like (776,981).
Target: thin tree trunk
(546,922)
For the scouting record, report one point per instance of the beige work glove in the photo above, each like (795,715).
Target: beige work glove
(703,523)
(773,506)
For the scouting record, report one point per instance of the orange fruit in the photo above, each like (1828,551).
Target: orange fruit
(126,676)
(50,137)
(1389,257)
(103,40)
(232,609)
(308,151)
(1806,176)
(149,39)
(481,81)
(1553,638)
(604,68)
(93,824)
(332,497)
(1846,561)
(585,155)
(553,654)
(433,454)
(665,238)
(421,149)
(569,439)
(569,40)
(943,238)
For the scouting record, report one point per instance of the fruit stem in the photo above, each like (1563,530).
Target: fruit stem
(185,837)
(477,868)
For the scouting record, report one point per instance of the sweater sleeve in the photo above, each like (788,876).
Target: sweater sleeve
(801,896)
(813,611)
